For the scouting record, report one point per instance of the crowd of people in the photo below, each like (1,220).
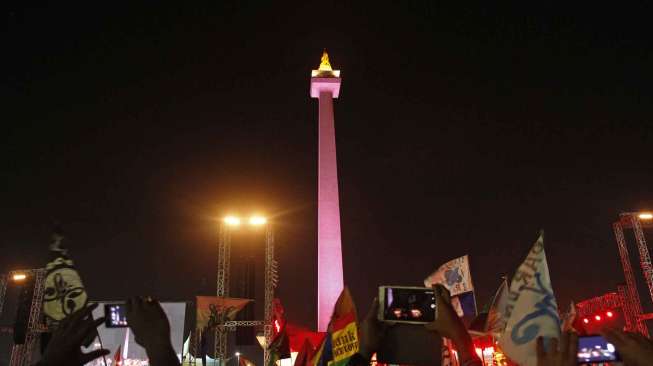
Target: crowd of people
(151,329)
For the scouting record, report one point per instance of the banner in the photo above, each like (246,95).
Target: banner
(531,311)
(454,275)
(341,341)
(213,310)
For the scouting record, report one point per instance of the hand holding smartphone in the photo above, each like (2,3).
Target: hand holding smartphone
(410,305)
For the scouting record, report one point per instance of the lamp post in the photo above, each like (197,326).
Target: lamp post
(238,358)
(227,225)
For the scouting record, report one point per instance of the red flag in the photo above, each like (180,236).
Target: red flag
(117,358)
(242,361)
(299,334)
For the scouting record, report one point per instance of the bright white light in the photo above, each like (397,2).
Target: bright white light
(19,276)
(237,354)
(257,220)
(645,216)
(232,220)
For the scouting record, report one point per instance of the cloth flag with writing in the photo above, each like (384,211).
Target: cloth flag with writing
(464,305)
(341,341)
(531,311)
(454,275)
(212,310)
(495,322)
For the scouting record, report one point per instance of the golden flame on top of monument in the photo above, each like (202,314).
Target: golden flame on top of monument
(325,70)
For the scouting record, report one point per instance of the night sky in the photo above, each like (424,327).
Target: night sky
(459,131)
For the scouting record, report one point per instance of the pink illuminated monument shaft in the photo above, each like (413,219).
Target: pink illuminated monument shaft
(325,85)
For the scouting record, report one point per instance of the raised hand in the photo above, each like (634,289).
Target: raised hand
(64,349)
(151,330)
(563,353)
(371,332)
(634,348)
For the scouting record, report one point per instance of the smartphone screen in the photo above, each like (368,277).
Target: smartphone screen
(415,305)
(595,348)
(116,315)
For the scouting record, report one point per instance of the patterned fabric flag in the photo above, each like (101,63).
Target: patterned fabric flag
(454,275)
(465,305)
(532,310)
(341,341)
(64,291)
(213,310)
(495,322)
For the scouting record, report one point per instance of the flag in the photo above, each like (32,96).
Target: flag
(341,340)
(213,310)
(569,318)
(531,311)
(64,292)
(117,357)
(298,335)
(495,322)
(279,346)
(242,361)
(305,355)
(464,304)
(454,275)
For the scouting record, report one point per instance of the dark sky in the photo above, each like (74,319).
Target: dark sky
(459,130)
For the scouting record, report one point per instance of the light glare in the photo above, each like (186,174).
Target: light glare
(19,276)
(257,220)
(232,220)
(646,216)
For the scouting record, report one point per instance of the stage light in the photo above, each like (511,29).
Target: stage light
(257,220)
(645,216)
(597,317)
(609,314)
(18,277)
(586,321)
(232,220)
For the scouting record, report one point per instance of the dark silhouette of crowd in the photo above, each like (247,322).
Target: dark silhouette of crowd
(151,329)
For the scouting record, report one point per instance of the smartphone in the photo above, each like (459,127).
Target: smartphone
(411,305)
(115,315)
(596,349)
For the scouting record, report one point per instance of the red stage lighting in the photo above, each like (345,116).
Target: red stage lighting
(586,321)
(597,317)
(609,314)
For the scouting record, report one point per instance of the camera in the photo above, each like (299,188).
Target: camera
(412,305)
(115,315)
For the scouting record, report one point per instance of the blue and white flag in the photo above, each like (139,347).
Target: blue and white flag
(531,311)
(454,275)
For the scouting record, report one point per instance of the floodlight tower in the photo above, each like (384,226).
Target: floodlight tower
(635,220)
(325,86)
(227,226)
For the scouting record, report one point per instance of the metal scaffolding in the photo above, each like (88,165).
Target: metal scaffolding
(271,278)
(21,354)
(633,309)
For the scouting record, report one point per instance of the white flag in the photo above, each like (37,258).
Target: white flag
(454,275)
(531,311)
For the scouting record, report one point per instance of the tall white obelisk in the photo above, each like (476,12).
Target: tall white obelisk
(325,86)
